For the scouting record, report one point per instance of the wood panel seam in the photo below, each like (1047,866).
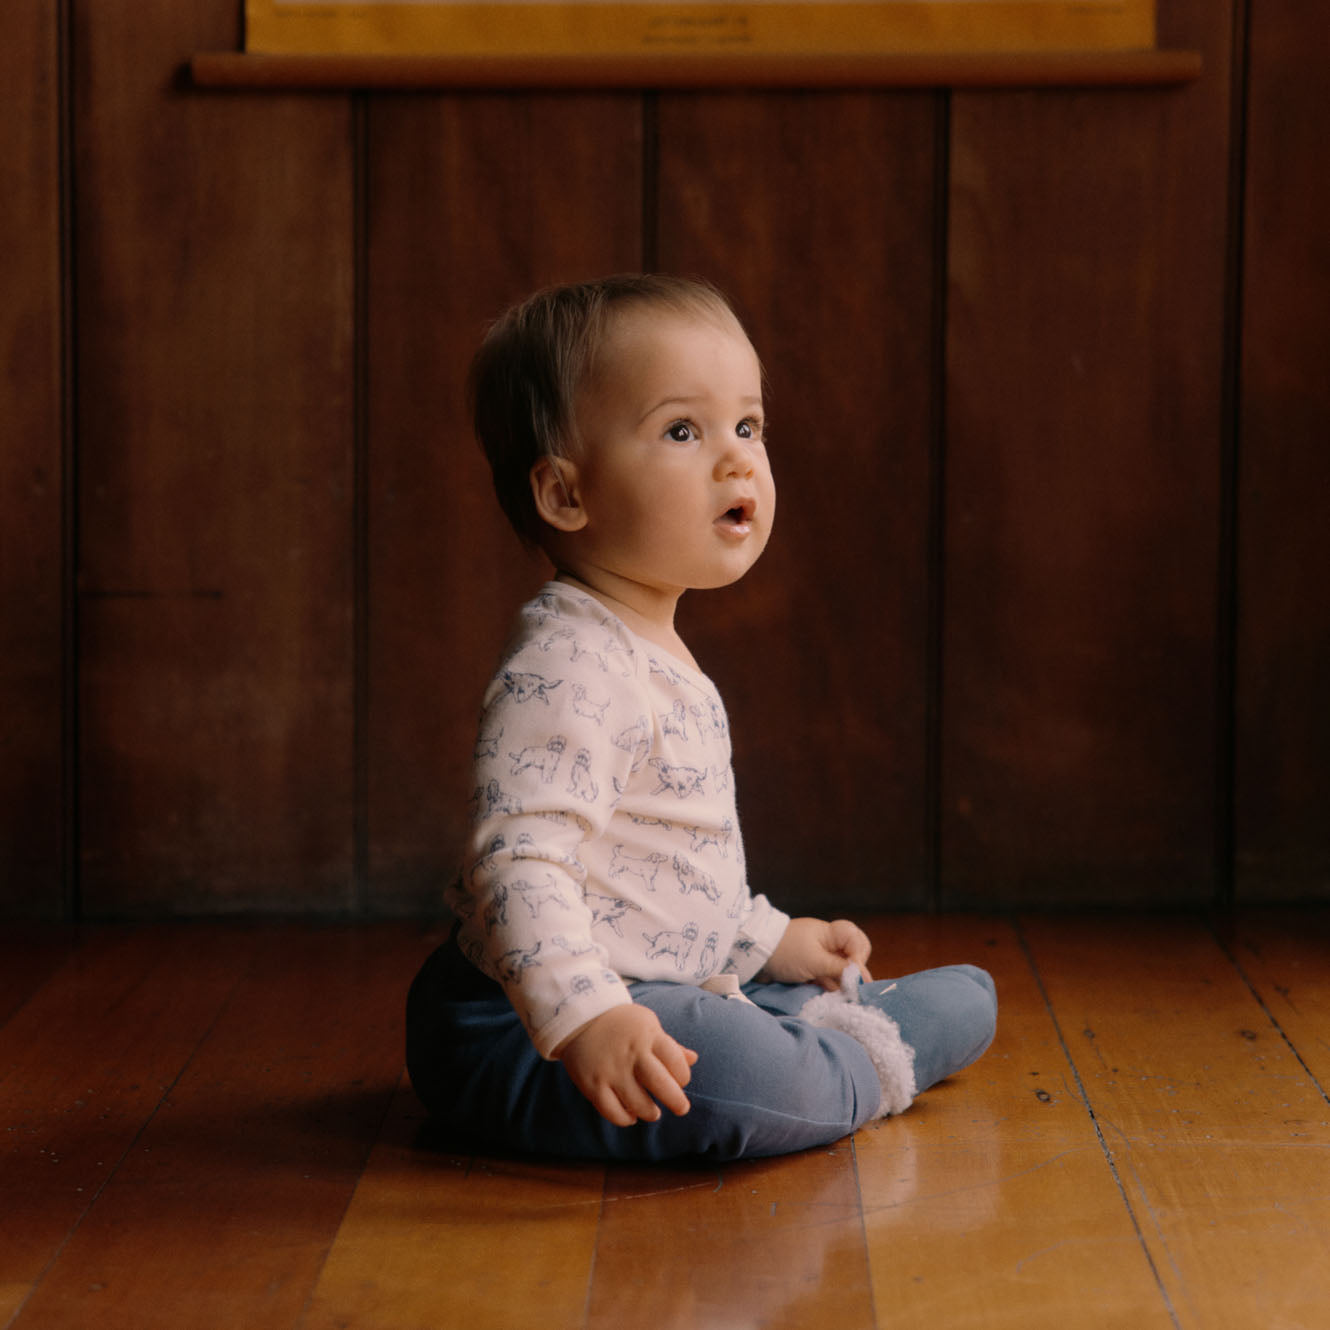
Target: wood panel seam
(71,903)
(650,130)
(360,504)
(1226,598)
(936,535)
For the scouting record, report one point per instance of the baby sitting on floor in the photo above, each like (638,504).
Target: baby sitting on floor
(610,959)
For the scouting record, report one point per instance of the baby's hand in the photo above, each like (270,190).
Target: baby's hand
(622,1058)
(813,951)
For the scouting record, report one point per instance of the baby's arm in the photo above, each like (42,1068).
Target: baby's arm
(623,1061)
(550,761)
(815,951)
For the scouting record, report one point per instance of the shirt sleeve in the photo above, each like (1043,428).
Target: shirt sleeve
(761,928)
(547,776)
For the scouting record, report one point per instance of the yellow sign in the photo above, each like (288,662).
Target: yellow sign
(546,27)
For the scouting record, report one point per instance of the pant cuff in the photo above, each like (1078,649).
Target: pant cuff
(891,1056)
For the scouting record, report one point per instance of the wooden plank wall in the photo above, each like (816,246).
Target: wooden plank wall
(1045,619)
(1282,830)
(1084,443)
(33,739)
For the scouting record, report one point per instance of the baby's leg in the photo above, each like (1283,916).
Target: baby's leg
(939,1020)
(763,1084)
(948,1016)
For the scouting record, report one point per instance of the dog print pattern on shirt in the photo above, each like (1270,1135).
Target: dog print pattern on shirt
(603,824)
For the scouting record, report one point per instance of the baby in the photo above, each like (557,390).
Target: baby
(610,960)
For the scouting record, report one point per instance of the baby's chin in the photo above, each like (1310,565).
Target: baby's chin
(729,576)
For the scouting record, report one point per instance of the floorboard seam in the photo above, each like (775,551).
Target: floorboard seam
(1098,1128)
(372,1144)
(863,1230)
(1269,1014)
(595,1249)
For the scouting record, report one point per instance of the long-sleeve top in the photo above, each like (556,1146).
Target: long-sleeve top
(604,843)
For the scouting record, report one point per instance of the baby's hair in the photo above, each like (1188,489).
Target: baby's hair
(533,360)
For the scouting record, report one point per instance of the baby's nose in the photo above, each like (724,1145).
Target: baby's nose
(733,461)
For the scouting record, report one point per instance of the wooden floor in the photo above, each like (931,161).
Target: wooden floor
(208,1126)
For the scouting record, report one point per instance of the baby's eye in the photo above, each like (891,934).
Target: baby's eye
(749,429)
(681,432)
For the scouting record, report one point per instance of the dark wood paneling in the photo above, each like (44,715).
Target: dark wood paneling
(474,202)
(1083,656)
(30,463)
(1283,713)
(1082,522)
(816,214)
(214,321)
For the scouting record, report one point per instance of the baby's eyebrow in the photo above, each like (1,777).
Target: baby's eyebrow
(669,402)
(685,402)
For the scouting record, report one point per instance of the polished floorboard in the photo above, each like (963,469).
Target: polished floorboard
(208,1125)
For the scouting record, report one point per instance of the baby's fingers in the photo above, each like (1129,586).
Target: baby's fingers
(626,1103)
(851,941)
(609,1105)
(659,1080)
(677,1059)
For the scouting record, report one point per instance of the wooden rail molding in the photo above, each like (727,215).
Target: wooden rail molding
(333,73)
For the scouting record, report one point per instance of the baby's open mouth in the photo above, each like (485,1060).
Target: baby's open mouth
(739,518)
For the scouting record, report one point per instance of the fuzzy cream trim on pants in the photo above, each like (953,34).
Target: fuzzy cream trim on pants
(891,1056)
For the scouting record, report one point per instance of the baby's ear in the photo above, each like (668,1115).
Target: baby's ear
(554,489)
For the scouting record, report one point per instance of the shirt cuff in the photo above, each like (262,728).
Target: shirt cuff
(764,929)
(570,1019)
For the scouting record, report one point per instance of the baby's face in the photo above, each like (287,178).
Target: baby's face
(672,465)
